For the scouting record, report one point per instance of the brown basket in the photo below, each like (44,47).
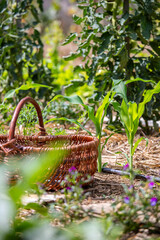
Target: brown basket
(82,150)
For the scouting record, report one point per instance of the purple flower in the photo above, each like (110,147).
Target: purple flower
(130,187)
(153,201)
(151,185)
(149,178)
(125,167)
(126,200)
(72,169)
(69,188)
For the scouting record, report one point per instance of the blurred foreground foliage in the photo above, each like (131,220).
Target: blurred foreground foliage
(22,219)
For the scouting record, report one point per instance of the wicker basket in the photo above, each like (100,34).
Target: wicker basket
(82,150)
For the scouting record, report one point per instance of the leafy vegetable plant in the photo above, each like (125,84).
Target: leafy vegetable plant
(97,118)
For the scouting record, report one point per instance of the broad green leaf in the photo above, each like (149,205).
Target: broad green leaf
(120,88)
(70,38)
(125,117)
(36,169)
(123,55)
(90,111)
(156,88)
(72,99)
(11,93)
(141,109)
(146,26)
(39,208)
(133,110)
(116,106)
(101,108)
(105,109)
(32,85)
(77,100)
(69,120)
(148,96)
(105,42)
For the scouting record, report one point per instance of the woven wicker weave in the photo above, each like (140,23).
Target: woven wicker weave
(82,150)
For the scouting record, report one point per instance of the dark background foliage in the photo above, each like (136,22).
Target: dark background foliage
(119,40)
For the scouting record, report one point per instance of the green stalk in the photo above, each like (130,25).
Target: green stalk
(99,158)
(98,135)
(131,162)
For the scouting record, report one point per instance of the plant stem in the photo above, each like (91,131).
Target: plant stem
(131,162)
(99,158)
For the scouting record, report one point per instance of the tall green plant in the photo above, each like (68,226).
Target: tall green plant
(130,114)
(97,118)
(119,40)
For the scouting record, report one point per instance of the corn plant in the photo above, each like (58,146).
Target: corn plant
(130,114)
(97,118)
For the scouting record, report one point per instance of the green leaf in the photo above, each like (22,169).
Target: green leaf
(72,56)
(104,164)
(101,108)
(116,106)
(137,143)
(77,100)
(72,99)
(77,20)
(146,26)
(11,93)
(106,140)
(125,117)
(69,120)
(125,154)
(37,207)
(70,38)
(32,85)
(155,46)
(40,3)
(91,116)
(34,13)
(120,48)
(120,88)
(87,41)
(137,80)
(3,6)
(104,45)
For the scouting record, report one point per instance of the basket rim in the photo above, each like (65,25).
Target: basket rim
(91,141)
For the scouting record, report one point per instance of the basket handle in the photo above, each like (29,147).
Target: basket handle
(16,114)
